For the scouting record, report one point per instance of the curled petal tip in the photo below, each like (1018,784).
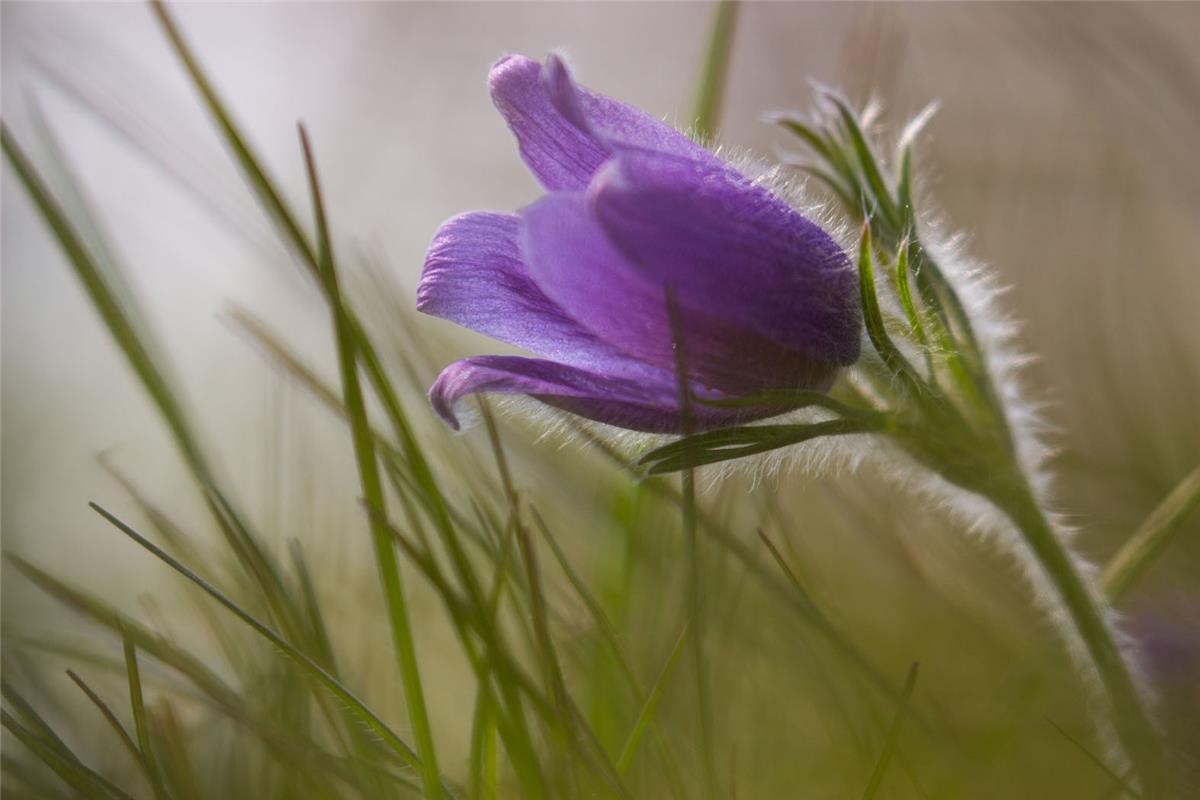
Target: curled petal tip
(564,94)
(442,398)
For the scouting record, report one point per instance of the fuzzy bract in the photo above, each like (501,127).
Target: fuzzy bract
(764,299)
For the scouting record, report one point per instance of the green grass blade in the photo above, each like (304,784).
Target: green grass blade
(50,750)
(368,470)
(695,573)
(119,321)
(179,769)
(650,706)
(251,166)
(114,723)
(893,736)
(142,729)
(710,92)
(1120,784)
(362,712)
(1152,537)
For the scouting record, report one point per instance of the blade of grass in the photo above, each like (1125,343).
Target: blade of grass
(119,322)
(139,718)
(893,736)
(265,189)
(180,770)
(368,469)
(609,633)
(1151,537)
(290,751)
(362,712)
(710,92)
(81,779)
(564,734)
(114,723)
(645,717)
(744,555)
(695,590)
(1120,784)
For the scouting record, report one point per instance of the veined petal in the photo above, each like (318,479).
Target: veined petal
(734,251)
(474,276)
(564,150)
(572,260)
(615,124)
(649,406)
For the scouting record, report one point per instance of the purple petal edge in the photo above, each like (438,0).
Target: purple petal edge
(640,406)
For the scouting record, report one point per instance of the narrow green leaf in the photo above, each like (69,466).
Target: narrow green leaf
(139,719)
(724,445)
(608,632)
(710,92)
(117,319)
(113,722)
(867,162)
(650,705)
(51,751)
(687,508)
(1152,537)
(364,714)
(1120,784)
(368,469)
(893,736)
(873,318)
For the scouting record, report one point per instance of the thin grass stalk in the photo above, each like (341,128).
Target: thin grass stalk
(368,469)
(116,319)
(140,725)
(1151,537)
(362,712)
(893,737)
(710,91)
(695,591)
(645,717)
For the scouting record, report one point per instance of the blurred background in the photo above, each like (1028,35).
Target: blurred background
(1061,148)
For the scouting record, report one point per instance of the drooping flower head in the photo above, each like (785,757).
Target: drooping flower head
(765,300)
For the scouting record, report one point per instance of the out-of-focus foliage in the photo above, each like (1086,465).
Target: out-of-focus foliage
(548,590)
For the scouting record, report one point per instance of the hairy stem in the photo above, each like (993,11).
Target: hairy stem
(1086,610)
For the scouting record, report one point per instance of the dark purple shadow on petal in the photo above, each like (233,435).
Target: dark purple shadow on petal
(571,259)
(474,276)
(734,251)
(648,406)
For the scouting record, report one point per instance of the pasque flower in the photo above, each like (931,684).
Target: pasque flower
(764,299)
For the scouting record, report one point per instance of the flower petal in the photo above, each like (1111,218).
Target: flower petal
(572,260)
(733,249)
(474,276)
(563,151)
(649,406)
(613,123)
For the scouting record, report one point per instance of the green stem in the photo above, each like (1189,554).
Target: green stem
(1131,718)
(1152,537)
(368,469)
(711,91)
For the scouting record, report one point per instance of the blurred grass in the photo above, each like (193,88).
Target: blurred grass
(573,672)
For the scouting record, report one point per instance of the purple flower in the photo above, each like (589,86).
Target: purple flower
(766,299)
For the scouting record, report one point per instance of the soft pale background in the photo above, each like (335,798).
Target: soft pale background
(1065,146)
